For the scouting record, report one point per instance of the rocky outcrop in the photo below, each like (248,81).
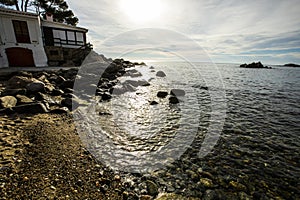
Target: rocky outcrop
(291,65)
(52,91)
(254,65)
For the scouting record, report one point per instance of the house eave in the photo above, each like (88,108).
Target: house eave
(62,26)
(15,13)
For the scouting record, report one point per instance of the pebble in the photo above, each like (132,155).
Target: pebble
(206,182)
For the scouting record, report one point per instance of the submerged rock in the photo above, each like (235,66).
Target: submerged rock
(173,100)
(177,92)
(160,74)
(162,94)
(153,103)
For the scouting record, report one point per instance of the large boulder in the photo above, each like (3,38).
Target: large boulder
(36,86)
(17,82)
(8,101)
(32,108)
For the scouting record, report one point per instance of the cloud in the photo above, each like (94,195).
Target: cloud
(267,29)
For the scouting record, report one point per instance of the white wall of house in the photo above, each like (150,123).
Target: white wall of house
(8,38)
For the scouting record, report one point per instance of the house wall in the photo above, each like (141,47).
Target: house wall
(8,39)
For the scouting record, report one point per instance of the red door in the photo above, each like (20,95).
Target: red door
(19,57)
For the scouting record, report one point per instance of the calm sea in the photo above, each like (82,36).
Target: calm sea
(250,117)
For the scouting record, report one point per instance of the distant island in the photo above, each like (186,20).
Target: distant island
(291,65)
(255,65)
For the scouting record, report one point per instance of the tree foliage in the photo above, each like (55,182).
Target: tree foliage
(58,8)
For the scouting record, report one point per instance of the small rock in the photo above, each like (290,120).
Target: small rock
(57,92)
(70,103)
(152,188)
(143,83)
(160,74)
(67,84)
(173,100)
(22,99)
(13,92)
(8,101)
(237,185)
(151,67)
(105,96)
(36,86)
(162,94)
(177,92)
(206,182)
(60,110)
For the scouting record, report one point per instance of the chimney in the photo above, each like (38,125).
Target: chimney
(49,17)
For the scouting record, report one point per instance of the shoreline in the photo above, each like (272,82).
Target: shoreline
(43,156)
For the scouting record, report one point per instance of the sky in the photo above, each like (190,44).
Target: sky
(231,31)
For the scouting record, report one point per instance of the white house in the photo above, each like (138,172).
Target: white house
(21,42)
(26,40)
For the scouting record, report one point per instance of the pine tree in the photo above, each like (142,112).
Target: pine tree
(58,8)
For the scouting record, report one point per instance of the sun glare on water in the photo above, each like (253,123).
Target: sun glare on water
(140,11)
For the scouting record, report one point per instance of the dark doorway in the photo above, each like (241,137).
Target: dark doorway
(19,57)
(48,36)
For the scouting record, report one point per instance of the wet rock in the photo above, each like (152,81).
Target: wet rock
(173,100)
(237,185)
(145,197)
(177,92)
(119,89)
(31,108)
(206,182)
(106,96)
(152,188)
(70,103)
(8,101)
(143,83)
(173,196)
(36,86)
(160,74)
(244,196)
(22,99)
(153,103)
(210,195)
(192,175)
(162,94)
(13,92)
(57,92)
(62,110)
(67,84)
